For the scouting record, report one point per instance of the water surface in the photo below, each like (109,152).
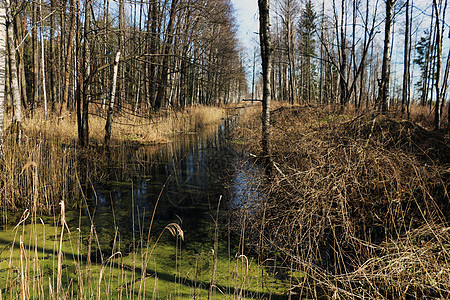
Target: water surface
(187,178)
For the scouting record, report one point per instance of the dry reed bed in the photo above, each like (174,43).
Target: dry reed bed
(358,204)
(61,165)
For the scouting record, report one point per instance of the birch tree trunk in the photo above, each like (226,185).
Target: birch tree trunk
(19,25)
(2,71)
(111,100)
(406,65)
(15,91)
(266,53)
(437,108)
(386,68)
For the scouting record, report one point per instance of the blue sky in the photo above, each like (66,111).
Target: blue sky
(246,13)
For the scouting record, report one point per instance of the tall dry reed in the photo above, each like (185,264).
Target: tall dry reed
(51,144)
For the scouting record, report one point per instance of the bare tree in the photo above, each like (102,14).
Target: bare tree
(266,53)
(41,36)
(288,14)
(68,58)
(406,61)
(437,108)
(17,115)
(52,61)
(343,84)
(19,26)
(84,84)
(2,71)
(386,68)
(161,92)
(111,100)
(34,36)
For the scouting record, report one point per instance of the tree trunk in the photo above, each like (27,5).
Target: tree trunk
(52,61)
(19,24)
(84,86)
(266,53)
(111,100)
(121,85)
(69,53)
(15,92)
(426,76)
(355,95)
(161,92)
(35,57)
(2,71)
(154,41)
(445,79)
(386,68)
(343,62)
(406,66)
(437,108)
(44,90)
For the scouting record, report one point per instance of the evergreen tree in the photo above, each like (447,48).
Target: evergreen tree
(424,61)
(307,29)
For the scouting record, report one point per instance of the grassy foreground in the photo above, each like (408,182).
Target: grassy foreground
(41,261)
(358,203)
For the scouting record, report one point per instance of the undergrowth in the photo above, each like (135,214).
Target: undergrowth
(357,204)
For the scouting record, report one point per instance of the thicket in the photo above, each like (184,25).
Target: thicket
(354,206)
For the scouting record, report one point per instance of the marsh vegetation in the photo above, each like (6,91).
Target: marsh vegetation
(131,167)
(356,205)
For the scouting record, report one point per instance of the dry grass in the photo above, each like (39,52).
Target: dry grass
(51,144)
(359,205)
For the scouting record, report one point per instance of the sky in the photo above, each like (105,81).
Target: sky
(246,14)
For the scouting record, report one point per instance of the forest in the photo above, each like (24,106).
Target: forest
(147,152)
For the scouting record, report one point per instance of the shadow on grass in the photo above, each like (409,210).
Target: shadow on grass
(197,285)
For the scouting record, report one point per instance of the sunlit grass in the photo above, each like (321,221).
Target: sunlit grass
(29,260)
(155,128)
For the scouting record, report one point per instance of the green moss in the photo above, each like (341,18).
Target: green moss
(29,255)
(238,142)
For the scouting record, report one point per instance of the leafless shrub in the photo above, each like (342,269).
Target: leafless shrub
(359,205)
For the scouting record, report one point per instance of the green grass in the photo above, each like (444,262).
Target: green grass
(29,263)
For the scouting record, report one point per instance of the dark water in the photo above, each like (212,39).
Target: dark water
(188,176)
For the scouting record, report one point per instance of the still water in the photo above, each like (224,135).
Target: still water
(188,179)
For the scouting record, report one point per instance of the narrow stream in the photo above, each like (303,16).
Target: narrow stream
(188,176)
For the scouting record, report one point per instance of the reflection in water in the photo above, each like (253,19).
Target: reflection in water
(245,187)
(189,175)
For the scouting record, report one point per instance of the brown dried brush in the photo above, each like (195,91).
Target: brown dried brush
(349,202)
